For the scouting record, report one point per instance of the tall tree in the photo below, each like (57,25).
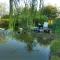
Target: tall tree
(50,11)
(41,4)
(12,3)
(11,6)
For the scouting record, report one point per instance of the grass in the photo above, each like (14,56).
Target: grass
(54,57)
(4,23)
(55,47)
(55,50)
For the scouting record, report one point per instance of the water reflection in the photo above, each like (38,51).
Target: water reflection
(31,39)
(23,47)
(2,36)
(13,50)
(42,38)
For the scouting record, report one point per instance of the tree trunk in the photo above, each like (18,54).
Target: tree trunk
(11,13)
(11,7)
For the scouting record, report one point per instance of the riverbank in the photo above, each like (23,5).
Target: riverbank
(55,48)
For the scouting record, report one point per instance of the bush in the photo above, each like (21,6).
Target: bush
(4,24)
(55,48)
(55,57)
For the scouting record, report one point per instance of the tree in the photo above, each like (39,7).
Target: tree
(12,3)
(33,5)
(40,19)
(50,11)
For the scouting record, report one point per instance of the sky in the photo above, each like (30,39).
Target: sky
(53,2)
(5,1)
(46,2)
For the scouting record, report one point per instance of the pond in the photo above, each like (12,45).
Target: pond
(15,49)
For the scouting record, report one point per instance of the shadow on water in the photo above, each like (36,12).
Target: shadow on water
(23,46)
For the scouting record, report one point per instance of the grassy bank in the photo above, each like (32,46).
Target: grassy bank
(54,57)
(55,50)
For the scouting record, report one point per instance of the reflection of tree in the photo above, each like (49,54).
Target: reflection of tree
(2,37)
(45,38)
(26,38)
(30,39)
(29,46)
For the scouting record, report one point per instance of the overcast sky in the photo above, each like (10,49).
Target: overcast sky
(5,1)
(57,2)
(53,2)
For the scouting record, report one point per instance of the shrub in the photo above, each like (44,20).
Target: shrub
(55,48)
(55,57)
(4,24)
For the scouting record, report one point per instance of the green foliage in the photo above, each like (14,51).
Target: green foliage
(50,11)
(43,18)
(57,25)
(54,57)
(55,50)
(25,36)
(23,17)
(40,18)
(55,47)
(5,17)
(4,23)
